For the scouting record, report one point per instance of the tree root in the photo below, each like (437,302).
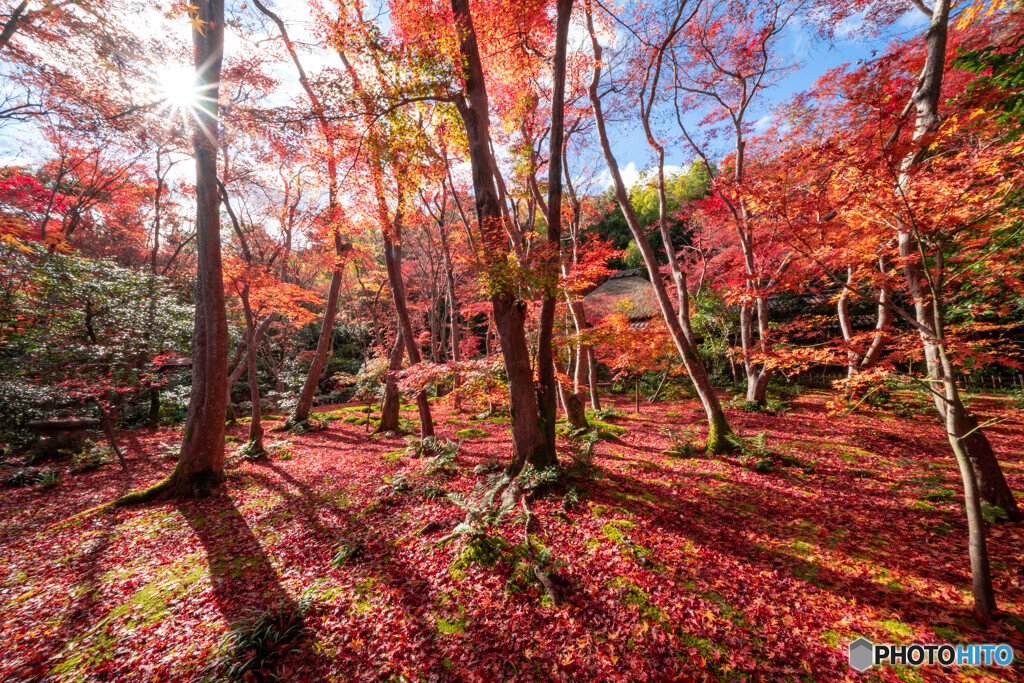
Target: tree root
(157,491)
(252,451)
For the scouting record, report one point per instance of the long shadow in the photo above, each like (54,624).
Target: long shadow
(76,622)
(374,563)
(689,518)
(243,578)
(340,436)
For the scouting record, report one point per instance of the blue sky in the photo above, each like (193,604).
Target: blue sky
(813,57)
(19,144)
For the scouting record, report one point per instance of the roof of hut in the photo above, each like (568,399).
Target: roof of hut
(624,292)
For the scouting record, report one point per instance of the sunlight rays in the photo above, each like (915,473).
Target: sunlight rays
(182,96)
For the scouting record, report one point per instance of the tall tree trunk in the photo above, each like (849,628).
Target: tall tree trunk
(595,400)
(571,403)
(548,385)
(453,310)
(300,413)
(393,263)
(583,374)
(254,447)
(928,309)
(758,376)
(509,311)
(392,241)
(718,427)
(200,467)
(392,404)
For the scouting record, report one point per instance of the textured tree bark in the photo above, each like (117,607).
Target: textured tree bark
(389,411)
(509,312)
(928,309)
(200,468)
(718,427)
(548,385)
(254,447)
(571,403)
(300,413)
(393,263)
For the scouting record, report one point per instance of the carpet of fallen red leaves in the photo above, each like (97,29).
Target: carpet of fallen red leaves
(671,568)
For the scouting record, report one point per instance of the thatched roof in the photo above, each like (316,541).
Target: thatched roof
(624,292)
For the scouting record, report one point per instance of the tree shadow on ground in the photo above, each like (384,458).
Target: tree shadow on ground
(373,572)
(730,517)
(245,584)
(81,614)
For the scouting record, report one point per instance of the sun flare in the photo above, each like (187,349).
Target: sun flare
(178,88)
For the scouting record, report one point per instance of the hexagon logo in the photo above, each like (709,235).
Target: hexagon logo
(861,654)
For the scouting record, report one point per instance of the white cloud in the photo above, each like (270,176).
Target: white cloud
(850,26)
(672,169)
(631,175)
(628,172)
(761,125)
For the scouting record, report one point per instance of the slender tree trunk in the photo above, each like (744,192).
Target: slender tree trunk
(595,400)
(107,422)
(391,406)
(393,263)
(305,403)
(12,24)
(200,468)
(757,376)
(955,417)
(301,412)
(584,375)
(153,419)
(856,362)
(509,312)
(453,309)
(255,445)
(718,427)
(156,215)
(661,385)
(241,359)
(548,385)
(926,293)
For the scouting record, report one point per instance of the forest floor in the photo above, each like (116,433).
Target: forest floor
(758,566)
